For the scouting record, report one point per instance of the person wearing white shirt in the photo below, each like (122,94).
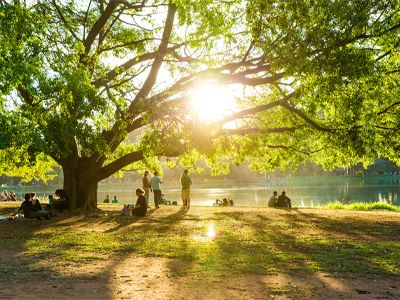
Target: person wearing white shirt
(155,184)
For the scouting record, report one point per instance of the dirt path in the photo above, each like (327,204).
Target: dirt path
(129,275)
(137,277)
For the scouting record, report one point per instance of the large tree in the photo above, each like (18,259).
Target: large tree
(318,80)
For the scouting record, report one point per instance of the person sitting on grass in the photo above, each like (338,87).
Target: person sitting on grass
(115,200)
(61,202)
(30,212)
(283,201)
(140,208)
(107,199)
(231,202)
(4,196)
(217,202)
(273,199)
(163,200)
(51,205)
(225,202)
(35,202)
(13,196)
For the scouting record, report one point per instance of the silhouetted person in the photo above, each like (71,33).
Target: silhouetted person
(62,201)
(218,202)
(13,196)
(140,208)
(146,186)
(35,202)
(283,200)
(186,182)
(30,212)
(273,200)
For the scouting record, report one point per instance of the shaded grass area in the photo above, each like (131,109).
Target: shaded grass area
(363,206)
(212,240)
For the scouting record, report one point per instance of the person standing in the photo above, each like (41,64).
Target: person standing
(146,186)
(186,182)
(274,198)
(155,185)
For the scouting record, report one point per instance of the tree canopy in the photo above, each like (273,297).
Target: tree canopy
(313,80)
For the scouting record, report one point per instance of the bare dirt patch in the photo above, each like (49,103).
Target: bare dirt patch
(132,275)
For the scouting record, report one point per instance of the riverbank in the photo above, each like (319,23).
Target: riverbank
(203,252)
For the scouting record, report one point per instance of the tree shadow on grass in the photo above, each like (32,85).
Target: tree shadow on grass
(246,243)
(266,248)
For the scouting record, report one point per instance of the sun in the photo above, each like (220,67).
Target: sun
(212,102)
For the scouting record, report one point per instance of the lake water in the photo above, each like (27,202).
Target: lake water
(304,191)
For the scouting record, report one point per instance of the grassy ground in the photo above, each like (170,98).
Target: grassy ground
(210,242)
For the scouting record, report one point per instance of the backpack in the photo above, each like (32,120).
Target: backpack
(126,210)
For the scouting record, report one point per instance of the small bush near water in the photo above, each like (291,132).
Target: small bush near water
(363,206)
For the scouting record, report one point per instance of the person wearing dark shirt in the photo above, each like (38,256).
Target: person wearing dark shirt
(35,202)
(273,200)
(61,201)
(140,208)
(283,200)
(30,212)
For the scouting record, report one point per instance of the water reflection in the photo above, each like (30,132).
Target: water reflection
(304,191)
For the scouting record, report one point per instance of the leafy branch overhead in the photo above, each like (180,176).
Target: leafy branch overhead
(314,80)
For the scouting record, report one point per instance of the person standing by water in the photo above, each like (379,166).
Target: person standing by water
(186,182)
(146,186)
(155,185)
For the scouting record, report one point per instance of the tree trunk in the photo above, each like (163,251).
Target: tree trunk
(80,185)
(82,176)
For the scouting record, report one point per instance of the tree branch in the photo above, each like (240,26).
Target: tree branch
(244,131)
(162,50)
(117,164)
(99,25)
(305,118)
(388,108)
(127,65)
(25,95)
(65,21)
(257,109)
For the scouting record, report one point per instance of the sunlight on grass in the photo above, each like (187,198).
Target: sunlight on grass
(211,231)
(215,242)
(363,206)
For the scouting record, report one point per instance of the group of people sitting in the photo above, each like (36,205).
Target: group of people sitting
(114,200)
(279,201)
(8,196)
(31,208)
(224,202)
